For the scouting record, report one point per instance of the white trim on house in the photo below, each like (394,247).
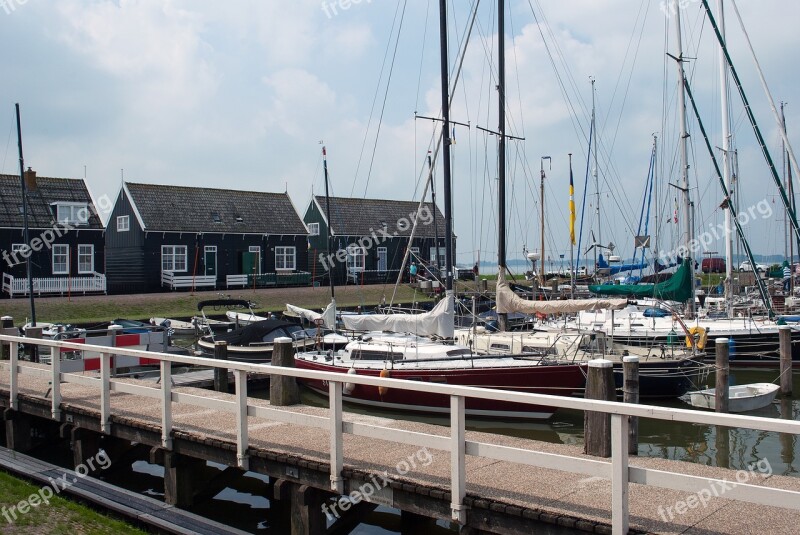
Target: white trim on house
(133,205)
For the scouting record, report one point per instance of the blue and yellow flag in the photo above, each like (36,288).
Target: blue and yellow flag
(571,206)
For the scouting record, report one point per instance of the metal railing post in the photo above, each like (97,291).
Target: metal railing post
(105,393)
(458,471)
(337,442)
(13,380)
(166,404)
(55,364)
(241,418)
(619,474)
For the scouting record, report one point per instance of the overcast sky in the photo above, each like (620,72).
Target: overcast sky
(238,94)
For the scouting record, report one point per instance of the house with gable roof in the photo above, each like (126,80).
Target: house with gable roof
(172,237)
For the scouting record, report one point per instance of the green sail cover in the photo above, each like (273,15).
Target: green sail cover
(676,288)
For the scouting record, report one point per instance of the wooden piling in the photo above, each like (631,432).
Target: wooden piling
(723,368)
(182,477)
(85,445)
(306,510)
(283,390)
(597,425)
(34,332)
(7,327)
(785,340)
(221,374)
(630,373)
(18,430)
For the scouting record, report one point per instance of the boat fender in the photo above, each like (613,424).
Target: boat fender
(701,334)
(348,388)
(382,390)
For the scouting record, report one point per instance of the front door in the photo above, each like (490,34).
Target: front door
(210,260)
(382,259)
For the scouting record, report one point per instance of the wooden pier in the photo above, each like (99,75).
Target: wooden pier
(315,457)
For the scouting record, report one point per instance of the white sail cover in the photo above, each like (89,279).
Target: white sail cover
(437,322)
(327,315)
(508,302)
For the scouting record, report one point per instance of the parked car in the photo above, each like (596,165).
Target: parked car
(714,265)
(746,266)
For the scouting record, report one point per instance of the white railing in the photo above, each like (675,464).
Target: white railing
(617,470)
(235,280)
(96,282)
(172,281)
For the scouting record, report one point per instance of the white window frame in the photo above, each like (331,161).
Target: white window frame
(284,253)
(442,260)
(356,258)
(313,229)
(60,251)
(17,247)
(73,213)
(170,257)
(123,223)
(82,261)
(257,250)
(383,252)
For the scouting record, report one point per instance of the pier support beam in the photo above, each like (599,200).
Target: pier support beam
(785,339)
(412,523)
(221,374)
(597,425)
(85,445)
(18,430)
(722,371)
(182,475)
(630,388)
(283,390)
(307,516)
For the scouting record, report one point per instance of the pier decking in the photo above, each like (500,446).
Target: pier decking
(501,496)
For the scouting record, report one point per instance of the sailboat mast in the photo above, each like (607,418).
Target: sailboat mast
(328,217)
(448,215)
(684,154)
(726,168)
(435,224)
(596,181)
(501,128)
(25,231)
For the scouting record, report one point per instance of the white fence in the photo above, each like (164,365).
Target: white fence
(617,470)
(96,282)
(172,281)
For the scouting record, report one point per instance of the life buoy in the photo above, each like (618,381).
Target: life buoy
(700,342)
(348,388)
(541,316)
(382,390)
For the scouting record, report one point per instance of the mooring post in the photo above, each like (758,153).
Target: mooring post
(307,517)
(630,373)
(785,339)
(221,374)
(597,425)
(723,367)
(182,477)
(36,333)
(6,327)
(18,430)
(283,389)
(85,445)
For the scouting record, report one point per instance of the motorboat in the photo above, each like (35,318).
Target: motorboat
(254,343)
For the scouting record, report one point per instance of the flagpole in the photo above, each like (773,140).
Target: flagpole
(572,268)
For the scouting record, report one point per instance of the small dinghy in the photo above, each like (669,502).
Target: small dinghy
(741,398)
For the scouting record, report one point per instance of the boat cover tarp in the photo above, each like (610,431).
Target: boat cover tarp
(509,302)
(676,288)
(438,322)
(249,334)
(327,315)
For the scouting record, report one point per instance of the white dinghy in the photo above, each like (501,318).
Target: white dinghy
(741,398)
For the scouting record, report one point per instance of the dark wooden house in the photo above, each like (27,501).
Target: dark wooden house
(370,237)
(185,237)
(65,237)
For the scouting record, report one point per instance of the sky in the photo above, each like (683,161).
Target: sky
(239,94)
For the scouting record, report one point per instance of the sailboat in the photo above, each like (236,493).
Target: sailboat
(421,355)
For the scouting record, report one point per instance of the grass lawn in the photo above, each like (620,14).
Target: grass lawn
(59,516)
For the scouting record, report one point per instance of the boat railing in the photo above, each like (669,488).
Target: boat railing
(617,469)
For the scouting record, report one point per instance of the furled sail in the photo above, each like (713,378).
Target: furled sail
(437,322)
(327,315)
(509,302)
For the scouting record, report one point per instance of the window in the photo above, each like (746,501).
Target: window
(355,258)
(86,258)
(173,258)
(313,229)
(284,258)
(382,259)
(123,223)
(215,217)
(441,259)
(256,250)
(73,213)
(60,259)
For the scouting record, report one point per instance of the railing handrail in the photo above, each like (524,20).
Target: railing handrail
(610,407)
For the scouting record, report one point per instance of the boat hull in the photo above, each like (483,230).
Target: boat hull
(564,380)
(741,398)
(662,379)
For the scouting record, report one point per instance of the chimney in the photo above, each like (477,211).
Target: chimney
(30,179)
